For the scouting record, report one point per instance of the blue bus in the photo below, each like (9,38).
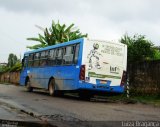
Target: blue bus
(77,65)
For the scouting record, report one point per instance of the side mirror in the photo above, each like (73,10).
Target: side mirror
(22,62)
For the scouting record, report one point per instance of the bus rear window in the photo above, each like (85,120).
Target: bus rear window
(76,54)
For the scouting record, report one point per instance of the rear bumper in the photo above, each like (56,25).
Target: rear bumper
(111,89)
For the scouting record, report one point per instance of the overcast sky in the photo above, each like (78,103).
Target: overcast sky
(101,19)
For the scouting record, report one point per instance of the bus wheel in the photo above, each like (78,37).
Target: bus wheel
(52,87)
(28,86)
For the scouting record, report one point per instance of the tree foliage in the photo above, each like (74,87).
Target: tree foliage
(57,33)
(13,64)
(16,67)
(157,53)
(12,60)
(139,48)
(2,68)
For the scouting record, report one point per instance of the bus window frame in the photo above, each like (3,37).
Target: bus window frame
(44,59)
(57,57)
(35,60)
(49,59)
(25,62)
(75,62)
(72,62)
(32,60)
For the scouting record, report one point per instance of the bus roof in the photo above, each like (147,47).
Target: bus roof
(55,46)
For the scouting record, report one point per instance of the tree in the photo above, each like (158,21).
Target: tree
(157,53)
(12,60)
(16,67)
(14,64)
(57,33)
(139,48)
(1,68)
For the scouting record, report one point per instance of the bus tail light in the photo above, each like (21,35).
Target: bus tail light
(82,73)
(124,78)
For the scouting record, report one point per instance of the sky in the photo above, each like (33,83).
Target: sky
(101,19)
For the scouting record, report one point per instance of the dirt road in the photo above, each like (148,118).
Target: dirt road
(40,106)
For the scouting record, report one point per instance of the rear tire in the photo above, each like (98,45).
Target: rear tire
(28,86)
(51,87)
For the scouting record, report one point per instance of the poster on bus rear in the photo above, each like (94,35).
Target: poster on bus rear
(103,59)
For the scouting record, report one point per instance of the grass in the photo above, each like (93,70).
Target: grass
(151,100)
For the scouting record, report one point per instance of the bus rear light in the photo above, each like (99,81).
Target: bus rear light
(124,78)
(82,73)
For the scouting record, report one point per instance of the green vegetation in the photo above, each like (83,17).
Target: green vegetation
(57,33)
(2,68)
(156,54)
(139,48)
(13,64)
(151,99)
(12,60)
(16,67)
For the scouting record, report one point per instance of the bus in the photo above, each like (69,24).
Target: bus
(78,65)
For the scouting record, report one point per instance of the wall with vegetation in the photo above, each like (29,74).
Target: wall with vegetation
(144,77)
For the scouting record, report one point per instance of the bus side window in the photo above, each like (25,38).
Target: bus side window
(51,57)
(68,55)
(46,56)
(76,53)
(43,61)
(59,56)
(30,60)
(36,59)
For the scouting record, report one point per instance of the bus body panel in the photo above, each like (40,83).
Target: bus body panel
(104,63)
(89,86)
(23,76)
(66,77)
(105,73)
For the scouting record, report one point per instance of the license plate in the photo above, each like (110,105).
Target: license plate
(103,82)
